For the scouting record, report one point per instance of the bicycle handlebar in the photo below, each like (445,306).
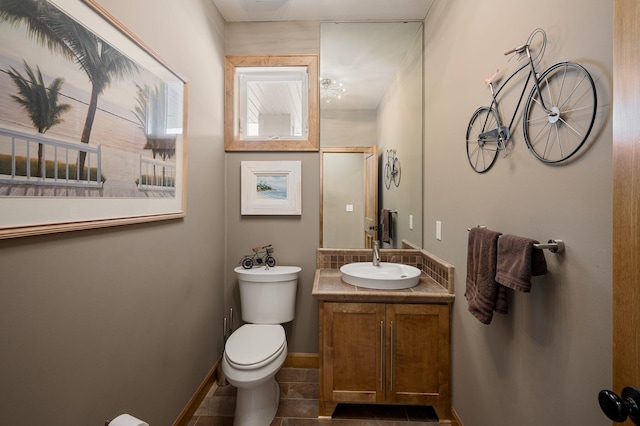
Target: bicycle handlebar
(519,49)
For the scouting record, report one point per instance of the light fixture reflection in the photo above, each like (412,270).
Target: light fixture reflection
(331,89)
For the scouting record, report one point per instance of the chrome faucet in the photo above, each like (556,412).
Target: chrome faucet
(376,253)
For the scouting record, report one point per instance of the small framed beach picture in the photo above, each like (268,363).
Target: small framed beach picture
(271,188)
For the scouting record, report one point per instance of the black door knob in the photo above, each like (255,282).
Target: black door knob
(619,408)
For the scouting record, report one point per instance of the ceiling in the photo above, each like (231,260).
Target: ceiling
(365,64)
(322,10)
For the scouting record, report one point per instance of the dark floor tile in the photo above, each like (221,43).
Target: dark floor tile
(212,421)
(310,422)
(225,391)
(298,408)
(217,406)
(300,375)
(300,391)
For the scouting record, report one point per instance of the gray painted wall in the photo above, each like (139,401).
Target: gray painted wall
(544,362)
(96,323)
(127,319)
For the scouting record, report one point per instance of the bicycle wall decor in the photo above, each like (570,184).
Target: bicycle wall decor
(392,170)
(558,115)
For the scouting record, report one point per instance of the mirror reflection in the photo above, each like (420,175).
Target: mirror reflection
(273,102)
(371,95)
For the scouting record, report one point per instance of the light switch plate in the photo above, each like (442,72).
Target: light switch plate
(349,207)
(438,230)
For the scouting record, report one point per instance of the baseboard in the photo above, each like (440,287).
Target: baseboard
(187,413)
(456,417)
(302,360)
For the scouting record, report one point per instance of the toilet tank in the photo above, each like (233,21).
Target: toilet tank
(268,295)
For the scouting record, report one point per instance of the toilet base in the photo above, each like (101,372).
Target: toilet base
(257,406)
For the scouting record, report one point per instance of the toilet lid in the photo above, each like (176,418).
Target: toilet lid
(252,345)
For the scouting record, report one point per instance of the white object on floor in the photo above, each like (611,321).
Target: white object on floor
(127,420)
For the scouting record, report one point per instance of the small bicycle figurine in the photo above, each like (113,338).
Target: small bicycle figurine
(558,114)
(261,254)
(392,169)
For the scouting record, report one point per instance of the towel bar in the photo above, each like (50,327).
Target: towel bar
(554,246)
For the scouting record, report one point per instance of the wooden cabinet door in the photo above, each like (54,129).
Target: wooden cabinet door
(352,352)
(418,345)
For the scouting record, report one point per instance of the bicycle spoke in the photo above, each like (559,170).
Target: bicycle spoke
(577,133)
(568,90)
(482,152)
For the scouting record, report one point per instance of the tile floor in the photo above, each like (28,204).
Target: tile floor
(299,406)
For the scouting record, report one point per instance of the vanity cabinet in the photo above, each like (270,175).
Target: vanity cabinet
(385,353)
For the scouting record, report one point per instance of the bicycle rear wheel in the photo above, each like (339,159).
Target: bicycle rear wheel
(482,152)
(570,93)
(396,172)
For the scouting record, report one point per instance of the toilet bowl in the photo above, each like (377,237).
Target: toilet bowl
(256,351)
(253,355)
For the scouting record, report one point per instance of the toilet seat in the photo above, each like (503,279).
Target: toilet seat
(255,345)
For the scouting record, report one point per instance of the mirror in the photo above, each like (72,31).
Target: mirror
(371,90)
(271,103)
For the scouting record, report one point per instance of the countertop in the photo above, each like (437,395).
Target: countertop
(328,286)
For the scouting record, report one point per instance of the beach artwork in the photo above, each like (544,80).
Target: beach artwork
(87,113)
(271,188)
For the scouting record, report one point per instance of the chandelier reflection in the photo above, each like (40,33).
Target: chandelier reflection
(331,89)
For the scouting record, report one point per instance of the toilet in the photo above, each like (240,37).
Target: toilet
(255,351)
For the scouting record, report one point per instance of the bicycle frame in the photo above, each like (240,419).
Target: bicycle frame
(503,133)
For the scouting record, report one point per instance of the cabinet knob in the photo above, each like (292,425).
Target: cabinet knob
(619,408)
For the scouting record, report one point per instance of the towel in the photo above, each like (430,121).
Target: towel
(517,261)
(483,293)
(386,222)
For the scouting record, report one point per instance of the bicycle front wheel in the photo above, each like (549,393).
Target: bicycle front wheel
(387,175)
(482,151)
(569,94)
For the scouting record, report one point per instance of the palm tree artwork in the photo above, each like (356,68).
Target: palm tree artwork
(62,35)
(39,101)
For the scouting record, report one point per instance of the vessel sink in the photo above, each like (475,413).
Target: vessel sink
(387,276)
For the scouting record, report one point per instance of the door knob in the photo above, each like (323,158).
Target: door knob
(619,408)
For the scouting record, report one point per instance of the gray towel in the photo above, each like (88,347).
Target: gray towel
(517,261)
(483,293)
(387,222)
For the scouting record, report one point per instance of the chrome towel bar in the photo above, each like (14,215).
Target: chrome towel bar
(554,246)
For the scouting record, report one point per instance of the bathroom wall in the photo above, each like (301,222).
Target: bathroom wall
(295,238)
(400,127)
(545,361)
(126,319)
(344,174)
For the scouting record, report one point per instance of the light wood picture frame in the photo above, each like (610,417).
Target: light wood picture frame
(233,138)
(115,151)
(271,188)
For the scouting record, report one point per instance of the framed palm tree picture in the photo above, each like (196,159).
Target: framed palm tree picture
(92,122)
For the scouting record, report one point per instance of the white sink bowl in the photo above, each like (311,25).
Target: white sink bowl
(387,276)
